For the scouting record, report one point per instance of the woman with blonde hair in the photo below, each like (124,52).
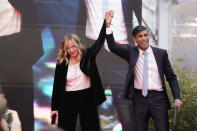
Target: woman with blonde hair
(77,88)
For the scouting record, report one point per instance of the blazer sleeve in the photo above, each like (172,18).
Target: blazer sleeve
(95,48)
(55,92)
(171,77)
(123,52)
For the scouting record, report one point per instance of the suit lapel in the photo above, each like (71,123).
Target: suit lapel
(158,60)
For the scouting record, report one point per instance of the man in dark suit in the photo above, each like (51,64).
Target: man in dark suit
(145,83)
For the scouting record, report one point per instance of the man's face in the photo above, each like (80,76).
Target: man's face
(142,40)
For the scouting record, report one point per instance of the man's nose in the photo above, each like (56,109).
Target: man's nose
(143,37)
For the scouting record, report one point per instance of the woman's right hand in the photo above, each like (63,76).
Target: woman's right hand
(54,113)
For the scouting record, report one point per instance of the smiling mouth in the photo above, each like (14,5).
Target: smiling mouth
(144,44)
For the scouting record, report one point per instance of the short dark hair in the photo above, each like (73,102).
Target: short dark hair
(138,29)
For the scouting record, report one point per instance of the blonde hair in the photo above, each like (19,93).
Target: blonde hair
(63,54)
(3,105)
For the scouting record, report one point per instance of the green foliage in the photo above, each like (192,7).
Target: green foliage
(187,117)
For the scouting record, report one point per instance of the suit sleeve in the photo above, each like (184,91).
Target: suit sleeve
(123,52)
(55,96)
(171,77)
(95,48)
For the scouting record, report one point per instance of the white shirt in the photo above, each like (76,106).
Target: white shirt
(119,27)
(76,79)
(96,10)
(95,16)
(10,19)
(154,80)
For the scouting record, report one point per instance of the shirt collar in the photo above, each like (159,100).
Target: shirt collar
(147,50)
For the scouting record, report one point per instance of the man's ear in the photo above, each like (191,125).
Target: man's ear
(134,40)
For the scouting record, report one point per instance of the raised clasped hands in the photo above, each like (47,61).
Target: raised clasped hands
(108,17)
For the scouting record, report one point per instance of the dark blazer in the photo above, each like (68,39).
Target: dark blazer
(131,53)
(88,66)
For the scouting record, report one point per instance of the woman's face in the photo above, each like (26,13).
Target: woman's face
(72,49)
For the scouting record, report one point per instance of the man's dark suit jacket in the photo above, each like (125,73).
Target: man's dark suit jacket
(88,66)
(131,53)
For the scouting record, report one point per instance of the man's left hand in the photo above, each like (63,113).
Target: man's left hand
(179,104)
